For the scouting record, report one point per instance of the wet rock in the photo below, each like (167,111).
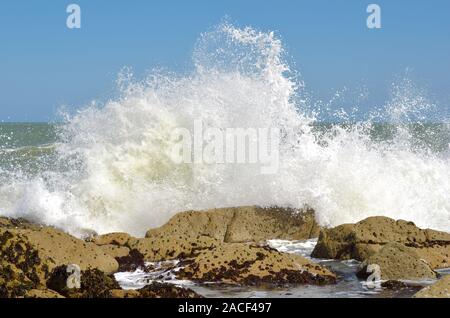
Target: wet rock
(244,264)
(94,283)
(42,293)
(393,284)
(161,290)
(58,279)
(86,234)
(122,293)
(156,290)
(212,246)
(440,289)
(190,230)
(131,261)
(365,238)
(242,224)
(396,262)
(13,282)
(164,269)
(37,251)
(19,223)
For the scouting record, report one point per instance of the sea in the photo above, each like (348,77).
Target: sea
(106,167)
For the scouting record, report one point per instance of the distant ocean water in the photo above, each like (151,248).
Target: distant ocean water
(31,148)
(107,169)
(27,147)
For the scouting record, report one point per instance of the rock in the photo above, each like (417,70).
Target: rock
(20,223)
(122,293)
(126,250)
(115,251)
(156,290)
(13,282)
(211,223)
(118,239)
(164,269)
(42,293)
(440,289)
(438,256)
(94,283)
(397,262)
(160,248)
(242,224)
(365,238)
(64,279)
(261,224)
(393,284)
(130,262)
(161,290)
(37,251)
(189,230)
(244,264)
(86,234)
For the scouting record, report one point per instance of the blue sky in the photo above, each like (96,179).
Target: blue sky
(44,65)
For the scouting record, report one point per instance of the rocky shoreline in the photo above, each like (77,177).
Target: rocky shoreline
(222,246)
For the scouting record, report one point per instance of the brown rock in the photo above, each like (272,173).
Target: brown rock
(13,282)
(123,248)
(438,256)
(36,252)
(211,223)
(130,262)
(122,293)
(161,290)
(42,293)
(169,247)
(20,223)
(440,289)
(239,263)
(118,239)
(115,250)
(365,238)
(259,224)
(242,224)
(94,283)
(191,230)
(156,290)
(398,262)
